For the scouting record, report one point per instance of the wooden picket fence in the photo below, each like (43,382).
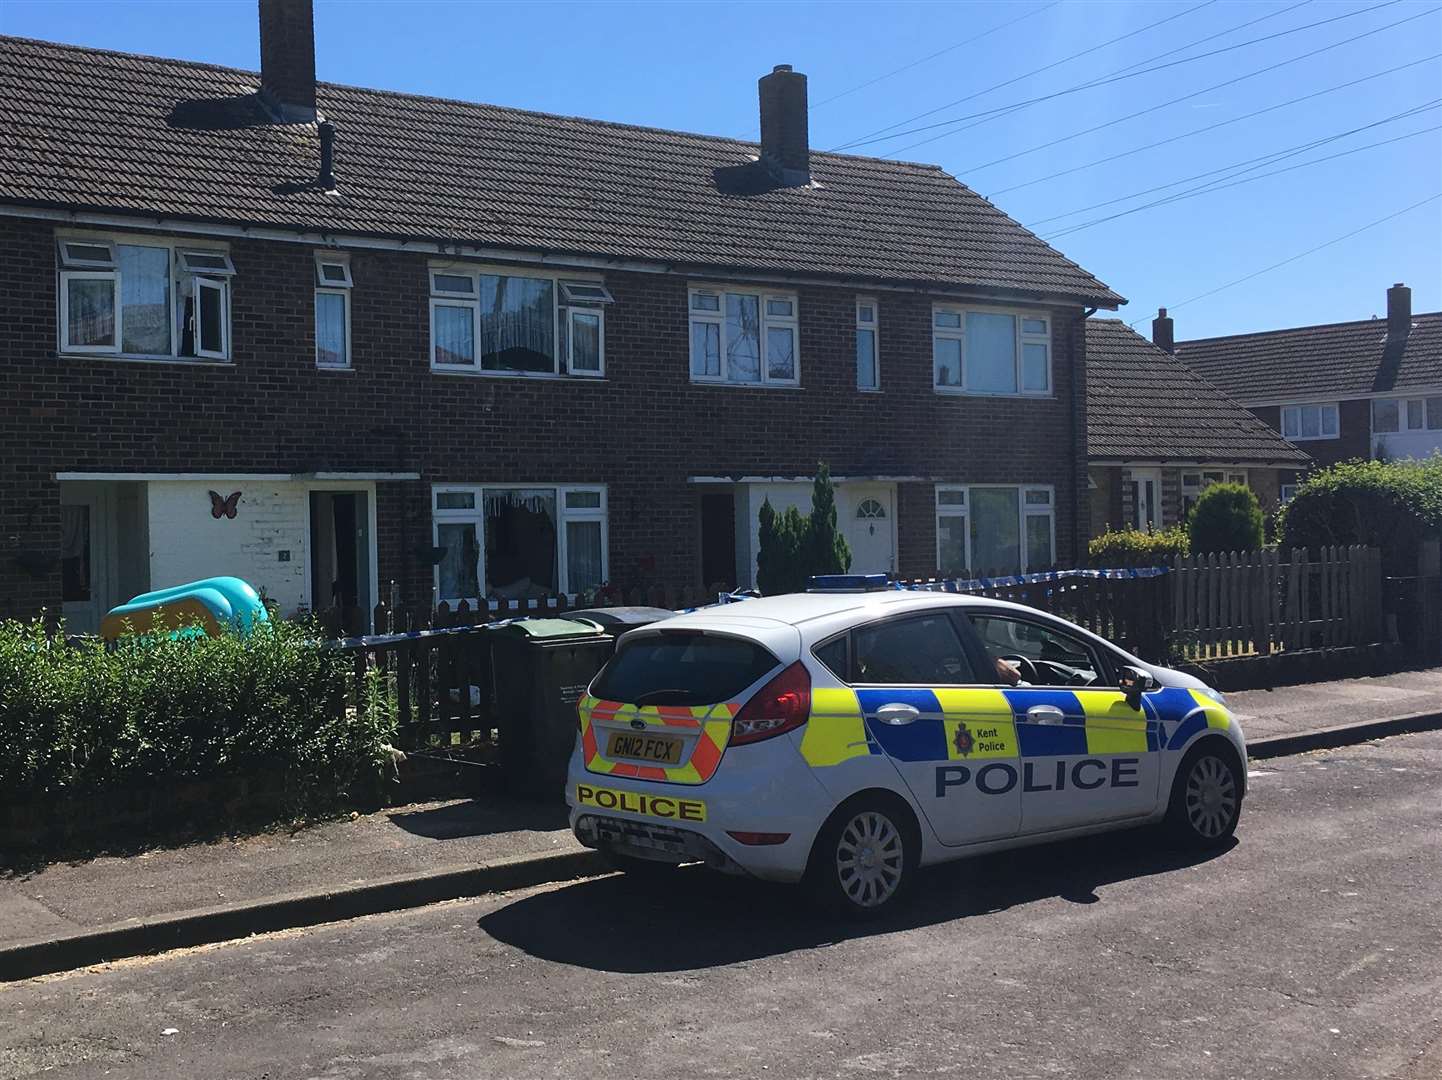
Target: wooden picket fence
(1265,602)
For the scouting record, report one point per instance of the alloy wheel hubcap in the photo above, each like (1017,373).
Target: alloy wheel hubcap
(869,859)
(1211,797)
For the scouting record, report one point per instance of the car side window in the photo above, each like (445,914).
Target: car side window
(924,649)
(1030,653)
(833,655)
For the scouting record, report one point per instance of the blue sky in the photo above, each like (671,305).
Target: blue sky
(693,67)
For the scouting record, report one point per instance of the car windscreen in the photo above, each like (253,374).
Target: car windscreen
(682,668)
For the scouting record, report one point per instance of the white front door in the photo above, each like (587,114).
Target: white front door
(867,515)
(1146,498)
(85,556)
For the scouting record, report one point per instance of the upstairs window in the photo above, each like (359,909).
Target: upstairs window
(743,338)
(1390,415)
(868,372)
(150,299)
(1300,422)
(332,311)
(990,352)
(488,323)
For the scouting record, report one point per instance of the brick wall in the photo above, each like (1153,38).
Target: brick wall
(643,430)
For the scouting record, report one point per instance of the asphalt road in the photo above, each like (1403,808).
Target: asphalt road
(1310,949)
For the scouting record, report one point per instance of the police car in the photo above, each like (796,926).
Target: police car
(851,734)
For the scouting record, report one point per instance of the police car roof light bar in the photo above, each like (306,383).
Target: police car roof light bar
(833,583)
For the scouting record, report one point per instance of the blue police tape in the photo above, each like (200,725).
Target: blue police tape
(1046,577)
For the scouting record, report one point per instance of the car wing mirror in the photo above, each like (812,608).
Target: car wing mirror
(1134,682)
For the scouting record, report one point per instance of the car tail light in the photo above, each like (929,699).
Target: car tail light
(781,705)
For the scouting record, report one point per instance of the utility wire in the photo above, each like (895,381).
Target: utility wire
(1211,127)
(1198,93)
(1119,75)
(1300,255)
(1261,161)
(860,140)
(1208,189)
(933,56)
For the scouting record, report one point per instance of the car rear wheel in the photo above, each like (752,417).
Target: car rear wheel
(1206,798)
(865,857)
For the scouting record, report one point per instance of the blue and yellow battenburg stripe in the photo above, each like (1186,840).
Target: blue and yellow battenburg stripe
(1094,722)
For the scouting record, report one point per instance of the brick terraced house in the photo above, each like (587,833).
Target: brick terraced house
(326,338)
(1158,435)
(1365,389)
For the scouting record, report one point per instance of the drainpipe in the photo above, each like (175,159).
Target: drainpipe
(1080,529)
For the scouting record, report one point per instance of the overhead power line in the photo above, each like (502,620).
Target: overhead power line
(1119,75)
(1198,93)
(1208,189)
(933,56)
(1300,255)
(862,139)
(1238,167)
(1211,127)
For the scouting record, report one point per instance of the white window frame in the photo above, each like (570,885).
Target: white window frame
(1296,411)
(1024,510)
(344,295)
(67,276)
(339,261)
(766,322)
(875,327)
(333,287)
(597,313)
(201,282)
(1023,339)
(177,251)
(1286,493)
(476,516)
(185,262)
(1404,404)
(561,304)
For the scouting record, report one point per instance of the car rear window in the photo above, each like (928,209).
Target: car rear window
(682,669)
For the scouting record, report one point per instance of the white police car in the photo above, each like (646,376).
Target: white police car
(847,736)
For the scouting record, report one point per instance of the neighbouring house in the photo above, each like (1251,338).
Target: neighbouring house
(1366,389)
(1158,435)
(327,338)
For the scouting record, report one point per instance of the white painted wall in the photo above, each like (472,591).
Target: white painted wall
(849,494)
(187,543)
(1404,444)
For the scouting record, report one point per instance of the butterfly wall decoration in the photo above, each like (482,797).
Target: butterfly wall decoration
(225,507)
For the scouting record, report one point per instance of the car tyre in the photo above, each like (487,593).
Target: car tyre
(1206,800)
(865,858)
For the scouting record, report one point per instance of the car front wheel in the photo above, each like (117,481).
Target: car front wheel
(865,858)
(1206,797)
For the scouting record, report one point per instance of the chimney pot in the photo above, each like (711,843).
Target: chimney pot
(1162,331)
(287,59)
(1399,314)
(785,141)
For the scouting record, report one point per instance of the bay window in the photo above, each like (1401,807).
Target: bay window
(990,352)
(992,530)
(518,543)
(148,299)
(743,338)
(486,323)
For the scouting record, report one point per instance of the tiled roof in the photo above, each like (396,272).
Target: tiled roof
(118,132)
(1145,405)
(1340,359)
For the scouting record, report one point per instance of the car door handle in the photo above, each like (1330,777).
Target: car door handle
(1045,714)
(897,714)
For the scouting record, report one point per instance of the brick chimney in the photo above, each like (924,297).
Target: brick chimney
(1162,331)
(785,141)
(287,59)
(1399,314)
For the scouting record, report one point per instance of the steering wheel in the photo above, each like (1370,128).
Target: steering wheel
(1026,667)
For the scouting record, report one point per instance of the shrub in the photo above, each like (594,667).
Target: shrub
(1227,517)
(1137,547)
(791,547)
(1392,505)
(77,718)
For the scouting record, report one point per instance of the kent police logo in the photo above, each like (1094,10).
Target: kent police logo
(962,742)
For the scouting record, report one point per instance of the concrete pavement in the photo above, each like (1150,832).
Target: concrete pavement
(1312,949)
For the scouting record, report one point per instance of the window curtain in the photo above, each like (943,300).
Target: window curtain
(518,324)
(458,564)
(743,337)
(144,299)
(583,555)
(995,531)
(455,335)
(330,329)
(91,317)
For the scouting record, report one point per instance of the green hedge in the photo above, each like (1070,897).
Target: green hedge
(78,719)
(1137,547)
(1391,505)
(1227,517)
